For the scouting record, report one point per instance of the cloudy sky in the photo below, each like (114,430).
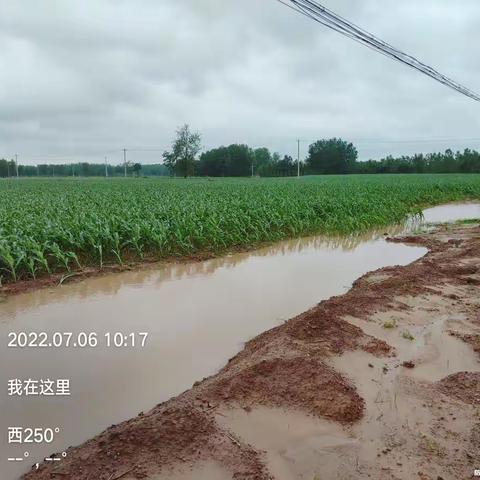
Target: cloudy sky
(80,80)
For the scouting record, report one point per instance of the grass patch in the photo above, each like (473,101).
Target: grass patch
(468,221)
(407,335)
(431,445)
(390,324)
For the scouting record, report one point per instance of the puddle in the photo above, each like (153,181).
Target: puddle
(439,354)
(435,353)
(391,409)
(397,416)
(452,212)
(385,407)
(201,471)
(295,445)
(197,315)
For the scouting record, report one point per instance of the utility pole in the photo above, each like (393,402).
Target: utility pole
(16,163)
(298,158)
(125,162)
(106,168)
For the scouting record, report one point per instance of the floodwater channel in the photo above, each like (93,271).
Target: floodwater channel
(196,315)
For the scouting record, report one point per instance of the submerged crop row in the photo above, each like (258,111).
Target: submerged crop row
(60,225)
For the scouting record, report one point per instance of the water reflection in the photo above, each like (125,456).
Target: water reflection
(452,212)
(112,284)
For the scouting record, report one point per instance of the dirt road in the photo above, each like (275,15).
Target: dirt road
(380,383)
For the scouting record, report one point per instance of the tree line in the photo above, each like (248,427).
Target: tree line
(8,168)
(325,157)
(467,161)
(236,160)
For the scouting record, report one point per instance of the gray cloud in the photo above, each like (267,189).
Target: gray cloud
(80,80)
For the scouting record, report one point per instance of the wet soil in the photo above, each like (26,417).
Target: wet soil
(379,383)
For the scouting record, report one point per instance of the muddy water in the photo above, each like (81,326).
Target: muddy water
(452,212)
(295,445)
(197,315)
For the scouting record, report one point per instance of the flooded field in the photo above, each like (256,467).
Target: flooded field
(197,315)
(452,212)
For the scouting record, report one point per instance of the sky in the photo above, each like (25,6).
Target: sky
(80,81)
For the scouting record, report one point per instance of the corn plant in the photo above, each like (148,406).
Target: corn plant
(51,226)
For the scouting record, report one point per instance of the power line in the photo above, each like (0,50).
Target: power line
(333,21)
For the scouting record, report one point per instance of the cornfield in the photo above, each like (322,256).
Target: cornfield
(49,226)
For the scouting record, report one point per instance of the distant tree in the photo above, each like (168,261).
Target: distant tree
(213,163)
(137,168)
(334,156)
(239,161)
(155,169)
(232,161)
(11,168)
(3,168)
(85,170)
(263,162)
(185,148)
(419,163)
(467,161)
(169,162)
(449,162)
(286,167)
(43,169)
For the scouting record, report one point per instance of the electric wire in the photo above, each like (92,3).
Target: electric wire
(322,15)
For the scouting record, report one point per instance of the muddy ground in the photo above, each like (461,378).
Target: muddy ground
(380,383)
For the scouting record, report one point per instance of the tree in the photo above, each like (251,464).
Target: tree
(137,167)
(263,163)
(334,156)
(85,170)
(185,148)
(155,170)
(169,162)
(214,162)
(239,160)
(3,168)
(232,161)
(286,167)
